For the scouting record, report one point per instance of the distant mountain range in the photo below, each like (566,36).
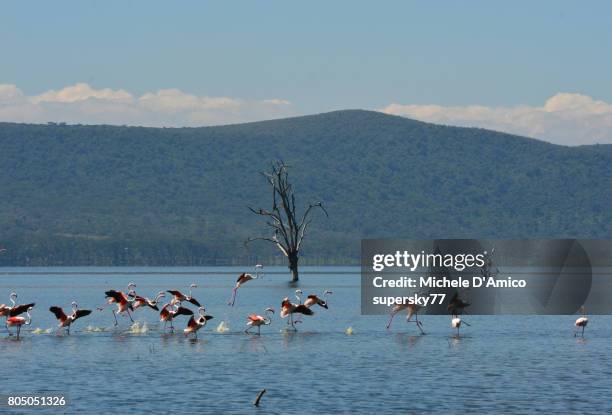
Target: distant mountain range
(111,195)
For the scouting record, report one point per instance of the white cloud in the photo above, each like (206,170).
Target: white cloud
(565,118)
(82,92)
(81,103)
(276,101)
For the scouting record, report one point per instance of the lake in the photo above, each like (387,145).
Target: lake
(510,364)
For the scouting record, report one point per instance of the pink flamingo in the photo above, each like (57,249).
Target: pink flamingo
(255,320)
(179,297)
(581,322)
(243,279)
(195,324)
(19,321)
(169,311)
(67,320)
(289,309)
(411,310)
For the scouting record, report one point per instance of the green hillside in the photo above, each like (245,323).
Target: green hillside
(109,195)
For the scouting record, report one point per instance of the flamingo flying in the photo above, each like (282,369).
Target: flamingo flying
(123,303)
(139,301)
(195,324)
(255,320)
(411,310)
(243,279)
(289,309)
(169,311)
(581,322)
(66,321)
(18,321)
(179,297)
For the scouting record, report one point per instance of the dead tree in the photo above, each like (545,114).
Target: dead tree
(287,231)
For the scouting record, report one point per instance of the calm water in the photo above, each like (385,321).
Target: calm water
(520,364)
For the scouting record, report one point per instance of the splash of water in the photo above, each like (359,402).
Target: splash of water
(222,327)
(349,331)
(93,329)
(136,328)
(38,330)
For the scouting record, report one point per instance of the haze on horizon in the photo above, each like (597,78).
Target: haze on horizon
(540,70)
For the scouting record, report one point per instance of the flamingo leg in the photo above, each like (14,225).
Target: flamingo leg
(129,314)
(418,322)
(18,331)
(582,331)
(115,317)
(233,299)
(259,330)
(390,320)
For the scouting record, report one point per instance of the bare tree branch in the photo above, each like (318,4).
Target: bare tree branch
(282,218)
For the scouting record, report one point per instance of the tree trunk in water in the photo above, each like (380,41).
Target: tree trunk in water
(293,266)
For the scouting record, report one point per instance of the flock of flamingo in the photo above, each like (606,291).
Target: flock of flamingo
(128,302)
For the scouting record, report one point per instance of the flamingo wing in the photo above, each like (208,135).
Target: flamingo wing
(152,305)
(184,311)
(81,313)
(59,313)
(20,309)
(302,309)
(453,300)
(176,293)
(194,302)
(115,295)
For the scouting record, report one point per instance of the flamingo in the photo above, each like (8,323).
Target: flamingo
(66,321)
(180,297)
(456,323)
(14,310)
(167,314)
(255,320)
(411,310)
(581,322)
(289,309)
(456,305)
(243,279)
(139,301)
(314,299)
(123,304)
(195,324)
(19,321)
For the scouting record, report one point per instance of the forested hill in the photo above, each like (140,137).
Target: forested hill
(110,195)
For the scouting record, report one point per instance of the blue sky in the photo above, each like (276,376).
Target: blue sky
(317,55)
